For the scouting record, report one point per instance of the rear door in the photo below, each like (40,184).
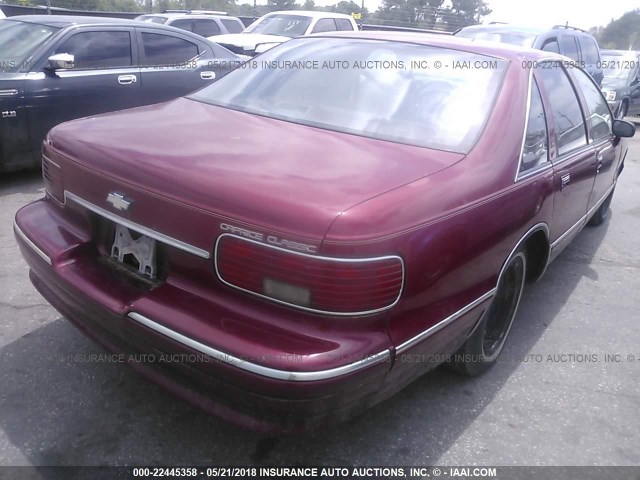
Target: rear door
(599,123)
(173,65)
(105,78)
(572,157)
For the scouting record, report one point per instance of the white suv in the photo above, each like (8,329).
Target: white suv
(200,22)
(278,27)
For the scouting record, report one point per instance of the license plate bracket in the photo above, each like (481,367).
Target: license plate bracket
(142,249)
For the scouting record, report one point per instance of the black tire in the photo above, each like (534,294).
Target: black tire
(624,110)
(602,213)
(482,348)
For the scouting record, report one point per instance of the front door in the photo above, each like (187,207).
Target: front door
(105,78)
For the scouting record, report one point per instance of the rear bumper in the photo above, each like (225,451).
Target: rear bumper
(242,389)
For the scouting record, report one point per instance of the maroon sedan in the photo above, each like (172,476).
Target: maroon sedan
(312,232)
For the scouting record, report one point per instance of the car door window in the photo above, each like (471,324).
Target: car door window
(535,145)
(232,26)
(206,27)
(344,24)
(598,110)
(324,25)
(551,46)
(570,132)
(569,47)
(165,49)
(101,49)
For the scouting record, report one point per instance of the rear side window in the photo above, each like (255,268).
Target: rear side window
(232,26)
(551,46)
(99,49)
(206,28)
(569,47)
(598,110)
(324,25)
(589,49)
(565,109)
(344,24)
(183,24)
(535,145)
(166,50)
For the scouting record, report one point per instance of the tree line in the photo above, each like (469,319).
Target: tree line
(447,15)
(620,34)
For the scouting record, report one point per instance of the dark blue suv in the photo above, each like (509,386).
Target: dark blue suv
(579,45)
(58,68)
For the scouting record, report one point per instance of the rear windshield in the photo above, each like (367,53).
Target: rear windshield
(521,39)
(414,94)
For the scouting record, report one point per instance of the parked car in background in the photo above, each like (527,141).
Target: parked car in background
(579,45)
(57,68)
(200,22)
(621,84)
(302,252)
(277,27)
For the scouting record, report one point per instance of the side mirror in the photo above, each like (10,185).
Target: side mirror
(623,129)
(61,61)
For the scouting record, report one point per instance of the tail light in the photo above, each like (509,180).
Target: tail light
(320,284)
(52,177)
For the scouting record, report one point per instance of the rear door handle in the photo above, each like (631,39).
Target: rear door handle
(127,79)
(207,75)
(566,178)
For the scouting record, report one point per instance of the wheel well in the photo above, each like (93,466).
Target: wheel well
(537,249)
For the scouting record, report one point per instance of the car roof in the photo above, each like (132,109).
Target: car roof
(493,49)
(501,27)
(173,15)
(67,20)
(310,13)
(511,27)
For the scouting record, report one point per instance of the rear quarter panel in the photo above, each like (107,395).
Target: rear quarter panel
(454,229)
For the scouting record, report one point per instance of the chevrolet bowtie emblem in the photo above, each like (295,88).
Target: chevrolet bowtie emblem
(118,201)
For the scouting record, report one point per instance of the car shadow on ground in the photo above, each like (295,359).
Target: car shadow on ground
(24,181)
(59,407)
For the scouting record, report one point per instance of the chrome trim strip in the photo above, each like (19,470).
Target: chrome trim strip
(526,125)
(9,92)
(572,228)
(440,325)
(50,161)
(161,237)
(583,220)
(33,246)
(253,367)
(535,171)
(314,257)
(96,72)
